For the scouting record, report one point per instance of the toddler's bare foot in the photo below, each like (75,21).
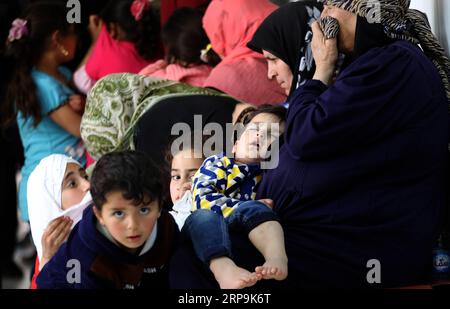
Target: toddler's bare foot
(276,268)
(230,276)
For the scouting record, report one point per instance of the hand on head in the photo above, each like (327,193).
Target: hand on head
(325,54)
(268,202)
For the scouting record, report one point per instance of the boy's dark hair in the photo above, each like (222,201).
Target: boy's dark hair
(184,38)
(129,172)
(145,33)
(43,18)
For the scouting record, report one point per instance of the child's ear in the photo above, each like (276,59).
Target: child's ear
(113,31)
(98,215)
(56,37)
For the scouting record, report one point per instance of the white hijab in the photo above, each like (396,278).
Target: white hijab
(44,197)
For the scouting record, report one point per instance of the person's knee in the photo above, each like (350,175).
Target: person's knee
(253,207)
(200,217)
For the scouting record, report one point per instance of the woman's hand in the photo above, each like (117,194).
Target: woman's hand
(325,54)
(54,235)
(268,202)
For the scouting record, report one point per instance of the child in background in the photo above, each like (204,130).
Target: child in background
(38,92)
(58,192)
(223,193)
(125,240)
(184,161)
(184,39)
(126,38)
(167,7)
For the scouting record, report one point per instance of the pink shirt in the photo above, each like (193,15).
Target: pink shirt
(194,75)
(112,56)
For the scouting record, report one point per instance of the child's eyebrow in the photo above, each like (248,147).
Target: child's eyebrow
(117,209)
(68,175)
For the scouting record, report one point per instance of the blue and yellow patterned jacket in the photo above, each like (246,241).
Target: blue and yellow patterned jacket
(221,184)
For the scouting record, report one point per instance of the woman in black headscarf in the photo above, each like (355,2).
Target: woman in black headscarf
(362,183)
(285,39)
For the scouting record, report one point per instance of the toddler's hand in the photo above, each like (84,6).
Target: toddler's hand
(268,202)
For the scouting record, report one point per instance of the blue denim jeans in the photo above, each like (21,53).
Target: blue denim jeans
(209,230)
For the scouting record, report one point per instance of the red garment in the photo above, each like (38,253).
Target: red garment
(194,75)
(230,25)
(33,285)
(169,6)
(112,56)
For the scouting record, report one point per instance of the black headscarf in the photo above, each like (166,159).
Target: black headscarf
(287,34)
(368,36)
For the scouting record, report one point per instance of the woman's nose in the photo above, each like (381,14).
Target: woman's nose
(270,71)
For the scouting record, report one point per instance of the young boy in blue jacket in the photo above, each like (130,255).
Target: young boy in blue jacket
(124,240)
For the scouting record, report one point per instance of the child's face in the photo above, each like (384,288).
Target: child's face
(184,167)
(75,185)
(259,134)
(128,224)
(69,41)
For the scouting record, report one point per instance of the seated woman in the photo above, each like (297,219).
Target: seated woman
(58,192)
(184,39)
(364,169)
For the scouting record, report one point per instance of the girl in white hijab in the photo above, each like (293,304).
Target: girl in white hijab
(58,192)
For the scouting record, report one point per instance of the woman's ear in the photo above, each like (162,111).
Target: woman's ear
(98,215)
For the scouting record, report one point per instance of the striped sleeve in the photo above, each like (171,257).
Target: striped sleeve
(210,184)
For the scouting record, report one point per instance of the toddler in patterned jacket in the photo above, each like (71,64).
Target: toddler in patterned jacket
(224,189)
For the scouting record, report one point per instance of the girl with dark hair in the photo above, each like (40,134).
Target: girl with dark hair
(126,38)
(184,39)
(38,93)
(169,6)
